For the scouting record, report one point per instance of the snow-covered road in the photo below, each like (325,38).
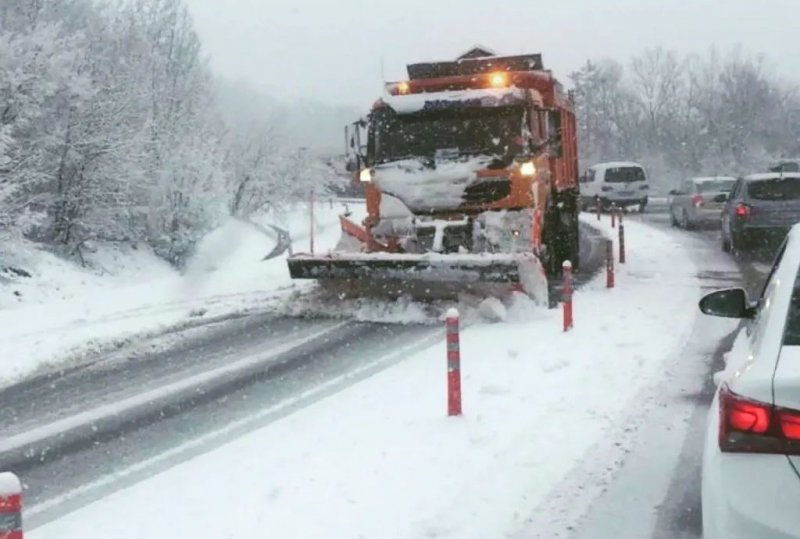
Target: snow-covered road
(187,386)
(643,480)
(319,357)
(542,440)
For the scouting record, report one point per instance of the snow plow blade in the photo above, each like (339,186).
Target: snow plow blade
(424,275)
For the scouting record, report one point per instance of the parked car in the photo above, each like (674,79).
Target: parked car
(699,201)
(620,183)
(751,458)
(760,210)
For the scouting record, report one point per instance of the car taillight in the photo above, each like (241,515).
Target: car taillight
(697,200)
(750,426)
(742,210)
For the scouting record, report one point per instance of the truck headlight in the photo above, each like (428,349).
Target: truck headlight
(365,175)
(527,168)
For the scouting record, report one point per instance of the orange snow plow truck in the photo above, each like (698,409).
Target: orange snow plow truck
(470,174)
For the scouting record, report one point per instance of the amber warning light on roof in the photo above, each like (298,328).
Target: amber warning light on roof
(498,79)
(495,79)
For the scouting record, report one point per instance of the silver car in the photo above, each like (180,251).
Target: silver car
(760,211)
(699,201)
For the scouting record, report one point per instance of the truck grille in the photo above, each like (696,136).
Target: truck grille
(487,191)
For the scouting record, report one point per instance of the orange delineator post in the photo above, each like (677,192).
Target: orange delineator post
(10,506)
(566,268)
(621,242)
(609,264)
(453,364)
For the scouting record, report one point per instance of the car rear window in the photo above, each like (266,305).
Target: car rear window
(624,175)
(774,189)
(791,333)
(716,186)
(787,166)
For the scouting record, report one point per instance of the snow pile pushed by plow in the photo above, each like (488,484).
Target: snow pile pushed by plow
(62,313)
(381,459)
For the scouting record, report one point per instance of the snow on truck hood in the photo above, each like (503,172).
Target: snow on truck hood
(424,188)
(486,97)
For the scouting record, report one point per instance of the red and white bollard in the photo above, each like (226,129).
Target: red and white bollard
(621,242)
(597,206)
(10,506)
(312,200)
(613,215)
(566,268)
(609,264)
(453,365)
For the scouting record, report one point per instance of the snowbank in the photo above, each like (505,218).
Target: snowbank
(380,459)
(65,312)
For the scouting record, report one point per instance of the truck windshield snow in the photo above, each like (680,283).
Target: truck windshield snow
(495,131)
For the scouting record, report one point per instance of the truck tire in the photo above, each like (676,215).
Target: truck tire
(562,233)
(575,247)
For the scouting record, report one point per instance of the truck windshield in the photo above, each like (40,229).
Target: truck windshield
(477,131)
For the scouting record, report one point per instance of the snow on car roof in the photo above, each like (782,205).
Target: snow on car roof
(615,164)
(487,97)
(772,175)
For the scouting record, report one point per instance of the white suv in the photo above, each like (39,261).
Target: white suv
(620,183)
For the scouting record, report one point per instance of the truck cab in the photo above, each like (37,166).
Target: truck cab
(469,171)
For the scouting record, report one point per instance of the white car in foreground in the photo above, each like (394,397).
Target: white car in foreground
(751,463)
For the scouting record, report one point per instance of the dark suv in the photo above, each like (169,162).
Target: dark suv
(760,210)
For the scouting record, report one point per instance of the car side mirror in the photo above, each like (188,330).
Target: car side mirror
(728,303)
(722,197)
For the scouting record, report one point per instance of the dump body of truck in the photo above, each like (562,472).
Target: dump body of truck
(470,176)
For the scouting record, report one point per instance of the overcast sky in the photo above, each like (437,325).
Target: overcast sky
(332,50)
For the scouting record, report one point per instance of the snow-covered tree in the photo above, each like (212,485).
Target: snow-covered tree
(110,130)
(686,116)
